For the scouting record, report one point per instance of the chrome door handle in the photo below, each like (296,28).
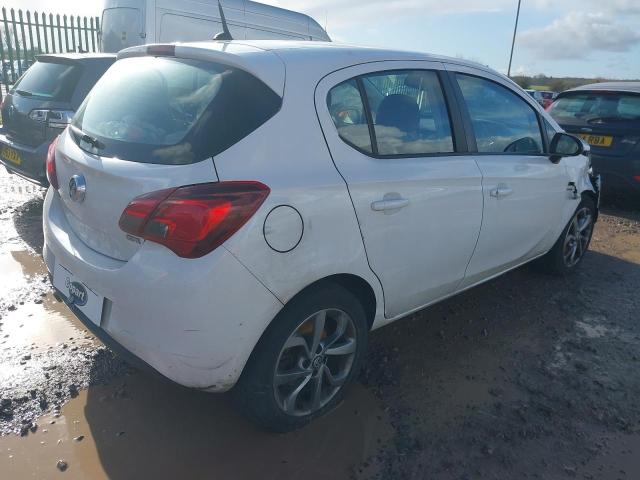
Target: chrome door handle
(384,205)
(501,191)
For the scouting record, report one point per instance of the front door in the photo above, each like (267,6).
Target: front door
(419,204)
(525,194)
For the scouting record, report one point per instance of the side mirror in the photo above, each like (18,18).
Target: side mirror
(565,145)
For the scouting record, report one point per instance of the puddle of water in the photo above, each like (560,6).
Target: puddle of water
(38,326)
(158,430)
(17,266)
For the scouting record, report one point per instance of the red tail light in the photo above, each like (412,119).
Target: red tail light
(637,178)
(193,220)
(52,176)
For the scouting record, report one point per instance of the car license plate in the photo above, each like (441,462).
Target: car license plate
(10,155)
(597,140)
(78,294)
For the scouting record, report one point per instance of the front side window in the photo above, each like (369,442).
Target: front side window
(406,109)
(502,121)
(409,113)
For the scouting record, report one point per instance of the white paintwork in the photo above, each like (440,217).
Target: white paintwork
(164,21)
(283,228)
(197,321)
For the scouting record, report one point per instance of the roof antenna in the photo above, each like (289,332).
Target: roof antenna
(225,34)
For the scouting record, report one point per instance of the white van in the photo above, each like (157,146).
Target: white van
(126,23)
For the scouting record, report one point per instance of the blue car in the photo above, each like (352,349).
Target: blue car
(40,106)
(607,116)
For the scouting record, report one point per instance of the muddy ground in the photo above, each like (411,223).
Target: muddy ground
(527,376)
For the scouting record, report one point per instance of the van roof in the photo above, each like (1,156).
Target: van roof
(317,58)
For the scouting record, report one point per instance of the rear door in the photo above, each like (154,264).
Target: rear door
(525,194)
(393,137)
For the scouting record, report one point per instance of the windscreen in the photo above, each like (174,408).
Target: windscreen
(597,107)
(121,28)
(49,81)
(167,110)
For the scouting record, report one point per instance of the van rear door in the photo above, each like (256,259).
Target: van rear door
(122,27)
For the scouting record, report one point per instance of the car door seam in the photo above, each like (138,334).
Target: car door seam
(481,224)
(353,205)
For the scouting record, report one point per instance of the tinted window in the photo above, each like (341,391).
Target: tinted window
(502,121)
(409,113)
(599,107)
(347,111)
(166,110)
(50,81)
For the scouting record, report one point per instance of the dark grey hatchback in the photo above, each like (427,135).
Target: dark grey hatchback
(41,104)
(607,116)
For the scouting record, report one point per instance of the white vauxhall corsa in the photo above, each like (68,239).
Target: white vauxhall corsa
(242,214)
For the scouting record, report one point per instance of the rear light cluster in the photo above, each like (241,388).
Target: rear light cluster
(193,220)
(52,175)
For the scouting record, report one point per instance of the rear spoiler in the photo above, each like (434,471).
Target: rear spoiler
(262,64)
(56,59)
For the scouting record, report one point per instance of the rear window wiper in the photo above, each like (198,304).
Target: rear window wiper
(24,93)
(94,142)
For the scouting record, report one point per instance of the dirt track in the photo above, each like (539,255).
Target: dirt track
(527,376)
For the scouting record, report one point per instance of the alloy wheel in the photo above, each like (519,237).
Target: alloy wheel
(315,362)
(578,237)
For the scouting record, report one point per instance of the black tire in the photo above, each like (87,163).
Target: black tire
(256,396)
(555,261)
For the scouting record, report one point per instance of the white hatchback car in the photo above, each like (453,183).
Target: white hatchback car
(244,213)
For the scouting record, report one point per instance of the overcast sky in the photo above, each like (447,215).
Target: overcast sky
(591,38)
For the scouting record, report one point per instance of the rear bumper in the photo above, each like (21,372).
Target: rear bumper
(194,321)
(32,165)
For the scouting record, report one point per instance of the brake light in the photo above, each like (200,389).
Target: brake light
(637,178)
(193,221)
(52,175)
(162,50)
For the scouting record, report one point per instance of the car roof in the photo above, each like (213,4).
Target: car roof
(316,58)
(633,87)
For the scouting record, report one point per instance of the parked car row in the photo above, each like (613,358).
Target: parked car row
(543,97)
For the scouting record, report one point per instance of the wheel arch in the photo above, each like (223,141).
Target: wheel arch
(355,284)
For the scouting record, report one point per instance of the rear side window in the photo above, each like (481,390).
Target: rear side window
(347,111)
(172,111)
(50,81)
(405,112)
(502,121)
(598,107)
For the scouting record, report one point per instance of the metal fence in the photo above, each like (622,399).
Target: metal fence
(25,35)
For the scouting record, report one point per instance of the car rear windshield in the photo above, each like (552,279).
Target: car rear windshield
(597,107)
(171,111)
(49,81)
